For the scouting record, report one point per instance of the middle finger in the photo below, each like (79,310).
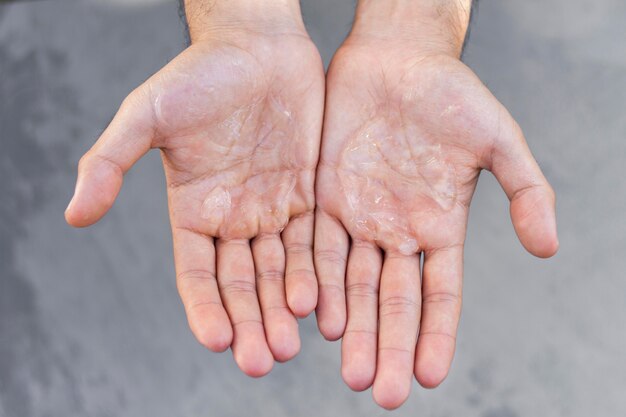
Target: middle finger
(399,317)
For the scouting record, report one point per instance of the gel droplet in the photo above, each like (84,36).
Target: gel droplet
(216,205)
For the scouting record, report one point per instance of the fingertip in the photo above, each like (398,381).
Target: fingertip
(331,331)
(70,219)
(330,326)
(216,344)
(430,381)
(545,249)
(389,393)
(68,209)
(215,337)
(356,383)
(433,359)
(358,359)
(72,216)
(254,362)
(286,351)
(430,374)
(286,354)
(284,341)
(358,378)
(250,349)
(538,236)
(302,298)
(97,188)
(534,218)
(213,331)
(77,217)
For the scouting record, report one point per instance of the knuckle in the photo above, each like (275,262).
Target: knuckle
(444,297)
(362,289)
(188,281)
(399,306)
(196,274)
(271,275)
(201,304)
(92,159)
(517,194)
(297,248)
(439,333)
(302,273)
(329,287)
(364,244)
(248,322)
(363,271)
(330,256)
(396,350)
(361,331)
(265,238)
(239,287)
(278,309)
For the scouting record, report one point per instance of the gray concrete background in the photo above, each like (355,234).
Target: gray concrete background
(90,322)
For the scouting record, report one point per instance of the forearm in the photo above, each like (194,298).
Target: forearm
(205,17)
(440,25)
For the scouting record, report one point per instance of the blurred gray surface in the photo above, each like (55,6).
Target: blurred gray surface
(90,322)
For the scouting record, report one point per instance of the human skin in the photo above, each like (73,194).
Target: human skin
(407,130)
(237,118)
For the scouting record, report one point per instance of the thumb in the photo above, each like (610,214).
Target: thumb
(531,196)
(100,171)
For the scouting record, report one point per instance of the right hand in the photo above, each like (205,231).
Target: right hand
(237,117)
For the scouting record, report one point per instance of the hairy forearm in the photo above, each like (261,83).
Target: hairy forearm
(205,17)
(440,25)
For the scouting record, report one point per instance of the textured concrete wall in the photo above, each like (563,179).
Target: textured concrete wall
(90,322)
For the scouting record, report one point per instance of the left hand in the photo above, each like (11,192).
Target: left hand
(406,135)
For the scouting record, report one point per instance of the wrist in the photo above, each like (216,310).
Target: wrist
(206,18)
(436,26)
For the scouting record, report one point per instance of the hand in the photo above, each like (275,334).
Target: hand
(237,117)
(406,134)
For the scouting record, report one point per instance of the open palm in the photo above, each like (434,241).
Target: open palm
(238,124)
(405,138)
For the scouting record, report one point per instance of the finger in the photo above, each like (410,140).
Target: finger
(281,327)
(300,275)
(399,315)
(441,311)
(532,198)
(236,280)
(194,256)
(331,252)
(100,171)
(358,346)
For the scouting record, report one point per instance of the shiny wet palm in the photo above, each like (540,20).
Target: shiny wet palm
(401,187)
(408,157)
(405,138)
(238,123)
(238,155)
